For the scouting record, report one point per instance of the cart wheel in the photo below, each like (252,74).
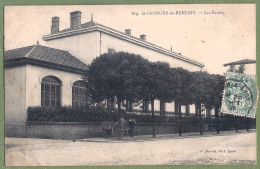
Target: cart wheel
(117,131)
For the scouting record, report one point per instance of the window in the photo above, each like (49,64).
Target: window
(80,94)
(50,91)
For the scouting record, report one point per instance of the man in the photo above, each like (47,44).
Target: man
(131,125)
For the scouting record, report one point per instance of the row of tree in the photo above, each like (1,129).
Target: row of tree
(124,76)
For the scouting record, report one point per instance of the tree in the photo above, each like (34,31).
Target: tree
(217,95)
(207,90)
(183,92)
(116,75)
(201,91)
(160,82)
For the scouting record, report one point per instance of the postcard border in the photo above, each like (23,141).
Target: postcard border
(126,2)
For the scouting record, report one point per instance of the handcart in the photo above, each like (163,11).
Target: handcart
(114,129)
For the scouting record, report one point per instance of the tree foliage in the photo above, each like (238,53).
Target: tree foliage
(130,77)
(116,75)
(160,82)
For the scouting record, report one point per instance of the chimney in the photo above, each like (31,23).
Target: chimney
(111,50)
(75,19)
(143,37)
(55,24)
(128,31)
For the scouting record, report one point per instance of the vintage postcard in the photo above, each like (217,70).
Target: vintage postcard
(106,85)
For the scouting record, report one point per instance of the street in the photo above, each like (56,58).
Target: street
(226,148)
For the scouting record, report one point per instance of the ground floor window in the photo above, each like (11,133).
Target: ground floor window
(50,91)
(80,94)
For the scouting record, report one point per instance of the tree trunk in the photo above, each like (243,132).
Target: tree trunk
(196,110)
(209,119)
(119,111)
(187,109)
(180,119)
(201,126)
(247,124)
(217,118)
(176,108)
(162,108)
(236,123)
(152,104)
(119,117)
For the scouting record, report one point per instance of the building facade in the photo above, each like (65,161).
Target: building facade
(39,76)
(91,39)
(52,75)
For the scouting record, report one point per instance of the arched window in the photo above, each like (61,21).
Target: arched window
(80,94)
(50,91)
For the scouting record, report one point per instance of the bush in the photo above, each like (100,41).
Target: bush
(70,114)
(96,114)
(101,113)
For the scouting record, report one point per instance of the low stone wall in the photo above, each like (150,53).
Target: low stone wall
(165,128)
(15,129)
(76,130)
(71,130)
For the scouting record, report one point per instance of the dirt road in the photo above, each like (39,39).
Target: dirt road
(231,148)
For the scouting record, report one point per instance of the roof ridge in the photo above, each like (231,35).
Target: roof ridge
(173,52)
(31,51)
(97,23)
(18,48)
(54,48)
(170,52)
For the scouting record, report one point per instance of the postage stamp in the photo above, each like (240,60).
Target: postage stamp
(240,95)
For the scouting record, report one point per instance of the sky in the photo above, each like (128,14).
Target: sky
(213,34)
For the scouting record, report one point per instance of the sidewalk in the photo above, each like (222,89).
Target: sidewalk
(142,138)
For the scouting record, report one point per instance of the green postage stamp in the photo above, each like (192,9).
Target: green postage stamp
(240,95)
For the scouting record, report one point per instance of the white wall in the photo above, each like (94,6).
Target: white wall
(34,77)
(192,109)
(122,45)
(23,89)
(169,107)
(15,93)
(87,47)
(250,69)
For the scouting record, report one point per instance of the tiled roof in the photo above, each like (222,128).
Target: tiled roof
(45,54)
(244,61)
